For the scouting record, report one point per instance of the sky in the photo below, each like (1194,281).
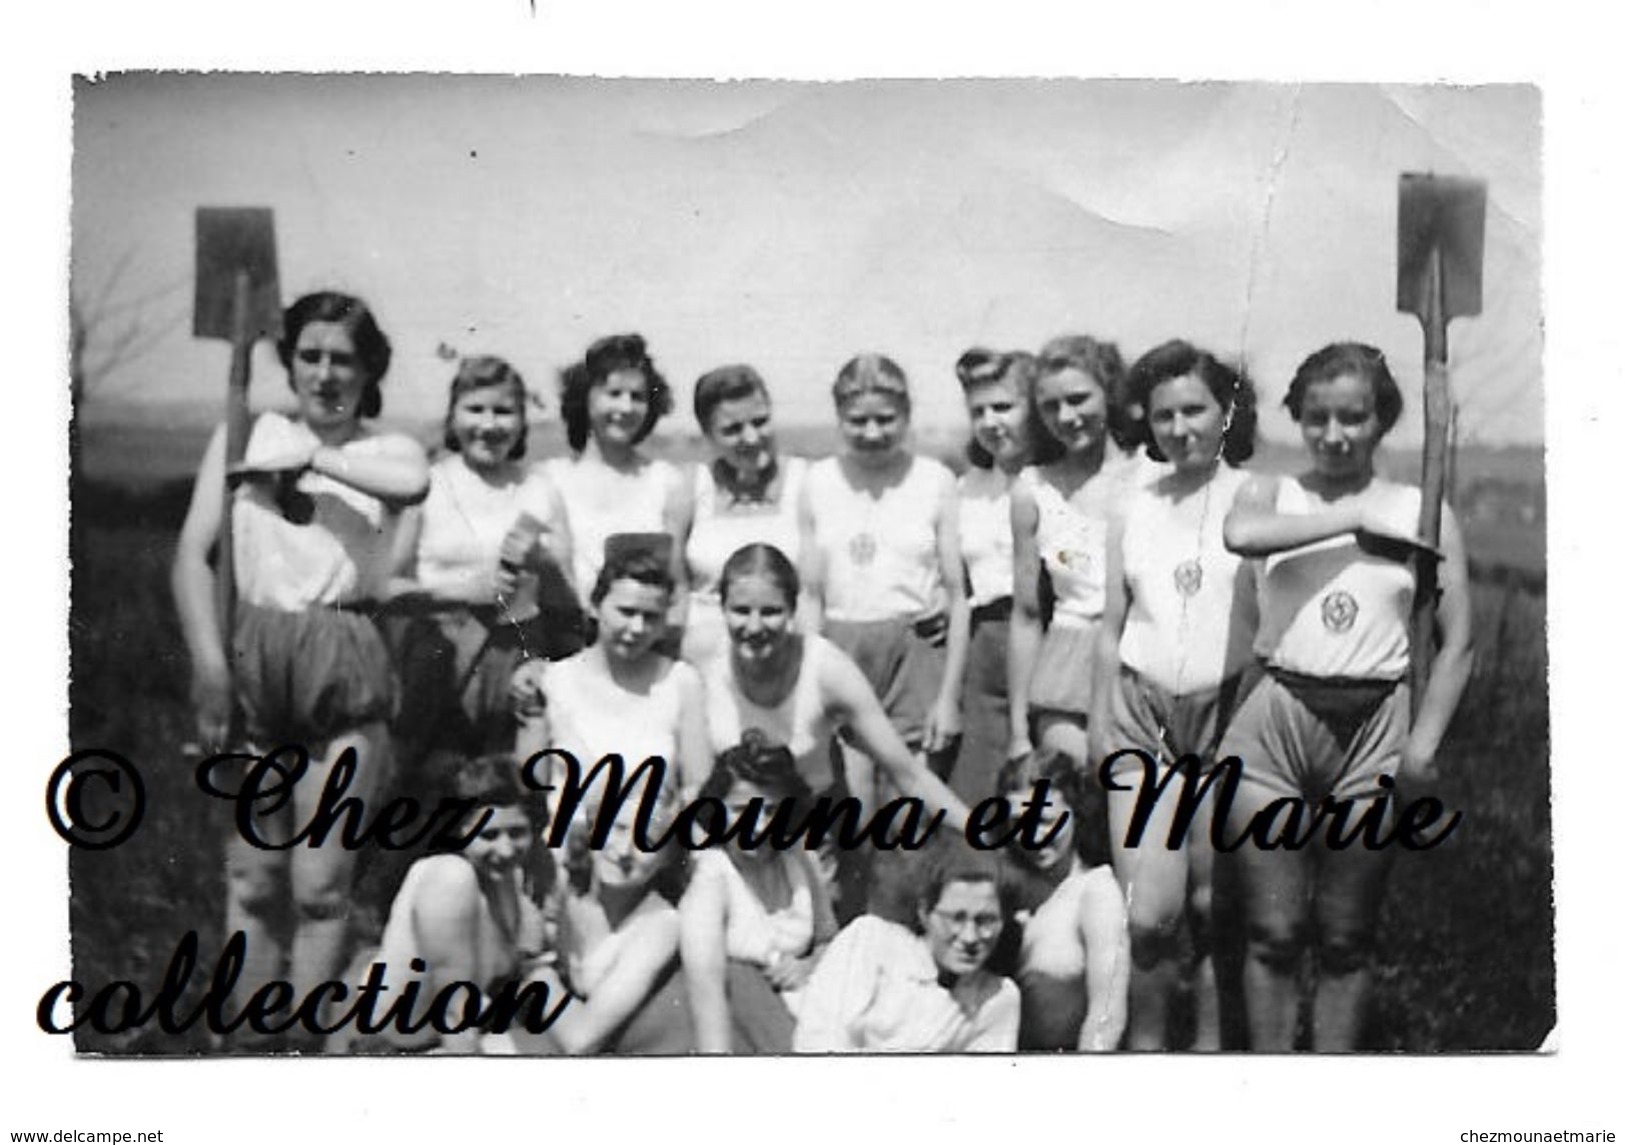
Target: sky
(792,226)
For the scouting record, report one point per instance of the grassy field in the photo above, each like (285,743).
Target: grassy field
(1466,958)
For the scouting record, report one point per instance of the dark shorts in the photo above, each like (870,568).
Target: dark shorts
(456,664)
(1150,718)
(309,676)
(1301,737)
(902,666)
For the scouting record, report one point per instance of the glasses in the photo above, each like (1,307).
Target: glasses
(986,925)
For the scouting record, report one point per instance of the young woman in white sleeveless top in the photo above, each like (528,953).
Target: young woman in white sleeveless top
(998,397)
(1181,610)
(748,493)
(1331,716)
(611,401)
(881,551)
(316,503)
(1059,510)
(620,696)
(754,921)
(800,691)
(469,562)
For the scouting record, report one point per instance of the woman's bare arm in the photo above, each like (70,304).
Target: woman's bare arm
(587,1023)
(192,582)
(1453,663)
(1026,619)
(703,942)
(943,722)
(1103,929)
(1108,643)
(854,702)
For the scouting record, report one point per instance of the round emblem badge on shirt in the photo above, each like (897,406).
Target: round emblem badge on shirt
(1338,610)
(1188,577)
(1072,559)
(861,548)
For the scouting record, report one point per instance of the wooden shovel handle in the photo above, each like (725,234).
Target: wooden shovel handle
(242,347)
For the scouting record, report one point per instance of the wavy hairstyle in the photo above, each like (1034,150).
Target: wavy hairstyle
(1099,360)
(1230,387)
(1362,361)
(982,367)
(482,372)
(603,358)
(372,348)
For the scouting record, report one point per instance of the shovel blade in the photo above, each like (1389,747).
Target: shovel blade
(229,240)
(1443,213)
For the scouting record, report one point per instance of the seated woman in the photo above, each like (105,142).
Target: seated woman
(615,948)
(754,921)
(468,566)
(885,987)
(469,915)
(620,696)
(1072,960)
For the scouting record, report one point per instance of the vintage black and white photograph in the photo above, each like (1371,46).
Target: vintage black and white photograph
(589,567)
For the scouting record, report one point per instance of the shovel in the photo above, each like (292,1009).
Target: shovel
(237,299)
(1441,276)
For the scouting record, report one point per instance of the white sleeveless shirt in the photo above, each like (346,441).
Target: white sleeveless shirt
(1072,542)
(592,716)
(879,552)
(598,508)
(985,540)
(1185,631)
(465,519)
(341,556)
(1331,609)
(801,721)
(719,530)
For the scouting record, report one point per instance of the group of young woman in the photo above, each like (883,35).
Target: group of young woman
(1104,582)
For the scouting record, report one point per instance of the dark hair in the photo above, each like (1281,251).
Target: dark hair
(1100,361)
(1230,387)
(486,372)
(951,859)
(492,781)
(372,349)
(1331,362)
(1044,763)
(757,760)
(761,559)
(871,374)
(605,357)
(632,562)
(725,384)
(981,367)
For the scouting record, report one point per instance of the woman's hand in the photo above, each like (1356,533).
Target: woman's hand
(1418,764)
(1379,535)
(788,973)
(212,702)
(527,689)
(1020,745)
(293,462)
(942,726)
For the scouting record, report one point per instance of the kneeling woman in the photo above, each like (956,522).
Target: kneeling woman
(754,921)
(1073,959)
(801,690)
(620,696)
(1332,716)
(470,916)
(883,987)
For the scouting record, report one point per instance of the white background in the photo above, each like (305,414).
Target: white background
(1229,1099)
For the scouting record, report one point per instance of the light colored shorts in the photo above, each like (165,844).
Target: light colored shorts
(1301,737)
